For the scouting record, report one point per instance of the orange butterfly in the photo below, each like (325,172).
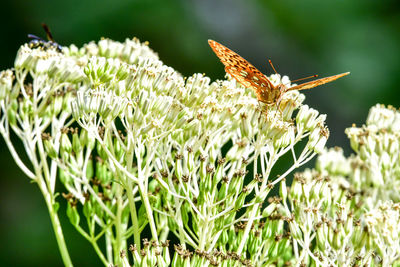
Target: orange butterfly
(250,77)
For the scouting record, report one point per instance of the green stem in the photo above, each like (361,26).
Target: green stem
(55,222)
(131,198)
(203,236)
(142,185)
(109,248)
(118,226)
(256,207)
(149,211)
(99,253)
(132,207)
(93,240)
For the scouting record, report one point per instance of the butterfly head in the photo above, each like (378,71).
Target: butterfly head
(276,88)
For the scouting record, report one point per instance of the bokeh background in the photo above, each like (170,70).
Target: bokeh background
(301,38)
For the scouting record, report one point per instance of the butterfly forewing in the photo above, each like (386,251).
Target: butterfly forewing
(318,82)
(245,73)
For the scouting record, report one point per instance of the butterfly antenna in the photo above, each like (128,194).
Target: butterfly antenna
(48,32)
(305,78)
(272,65)
(309,77)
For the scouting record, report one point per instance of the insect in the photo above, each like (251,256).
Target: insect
(251,77)
(40,42)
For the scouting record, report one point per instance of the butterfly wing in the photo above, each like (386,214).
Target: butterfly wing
(318,82)
(245,73)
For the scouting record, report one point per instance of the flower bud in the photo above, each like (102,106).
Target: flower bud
(64,177)
(295,230)
(73,215)
(6,82)
(49,148)
(317,140)
(11,116)
(65,143)
(269,209)
(306,118)
(283,190)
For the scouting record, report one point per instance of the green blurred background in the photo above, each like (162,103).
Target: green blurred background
(301,38)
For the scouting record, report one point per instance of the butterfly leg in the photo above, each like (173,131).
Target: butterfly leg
(278,111)
(259,117)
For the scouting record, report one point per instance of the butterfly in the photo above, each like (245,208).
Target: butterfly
(249,76)
(40,42)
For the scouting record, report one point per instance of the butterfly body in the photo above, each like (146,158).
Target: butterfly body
(250,77)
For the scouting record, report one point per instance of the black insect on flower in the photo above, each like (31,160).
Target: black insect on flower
(40,42)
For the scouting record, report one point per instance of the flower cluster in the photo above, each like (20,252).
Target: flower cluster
(377,162)
(146,156)
(345,212)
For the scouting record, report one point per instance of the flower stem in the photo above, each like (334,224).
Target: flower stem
(270,162)
(55,222)
(134,218)
(131,197)
(149,211)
